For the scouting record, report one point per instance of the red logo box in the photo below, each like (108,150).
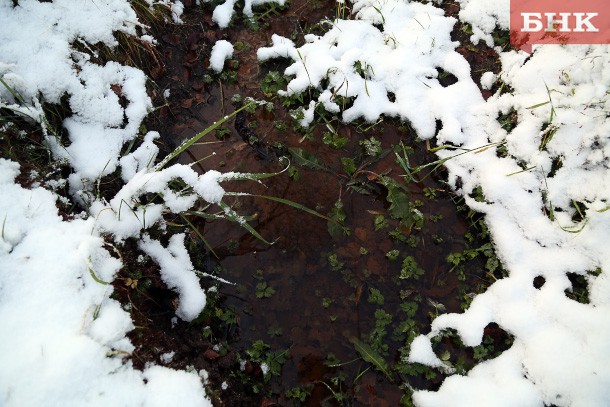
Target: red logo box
(559,22)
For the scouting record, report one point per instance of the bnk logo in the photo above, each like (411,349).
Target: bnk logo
(559,22)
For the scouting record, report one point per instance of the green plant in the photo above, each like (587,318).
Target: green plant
(430,193)
(375,296)
(349,166)
(410,269)
(379,332)
(299,393)
(335,263)
(372,146)
(326,302)
(271,362)
(272,83)
(436,217)
(222,133)
(275,330)
(392,254)
(381,222)
(334,140)
(369,354)
(263,290)
(336,224)
(236,99)
(280,125)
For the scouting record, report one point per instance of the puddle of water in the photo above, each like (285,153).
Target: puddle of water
(296,265)
(316,310)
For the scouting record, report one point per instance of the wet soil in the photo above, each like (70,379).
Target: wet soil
(317,308)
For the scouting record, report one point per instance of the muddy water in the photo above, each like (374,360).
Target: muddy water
(296,265)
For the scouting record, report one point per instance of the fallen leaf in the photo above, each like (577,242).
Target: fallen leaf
(211,354)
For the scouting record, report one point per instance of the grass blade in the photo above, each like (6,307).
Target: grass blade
(538,105)
(96,278)
(369,355)
(198,233)
(189,142)
(15,94)
(294,205)
(234,217)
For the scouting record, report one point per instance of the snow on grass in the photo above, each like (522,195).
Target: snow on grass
(40,64)
(224,12)
(221,51)
(178,273)
(485,17)
(64,337)
(367,65)
(546,200)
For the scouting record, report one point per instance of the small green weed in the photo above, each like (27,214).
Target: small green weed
(410,269)
(371,146)
(263,290)
(300,393)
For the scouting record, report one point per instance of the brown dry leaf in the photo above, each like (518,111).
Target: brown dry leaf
(211,354)
(199,98)
(116,89)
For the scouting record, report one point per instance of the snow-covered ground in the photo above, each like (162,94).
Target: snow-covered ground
(62,335)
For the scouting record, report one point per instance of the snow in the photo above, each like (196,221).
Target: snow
(224,12)
(484,16)
(167,357)
(221,51)
(51,68)
(178,273)
(68,336)
(60,325)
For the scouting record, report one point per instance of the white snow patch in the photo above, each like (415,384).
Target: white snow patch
(221,51)
(59,323)
(488,79)
(178,273)
(223,13)
(167,357)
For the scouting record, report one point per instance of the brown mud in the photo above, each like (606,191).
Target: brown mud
(316,308)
